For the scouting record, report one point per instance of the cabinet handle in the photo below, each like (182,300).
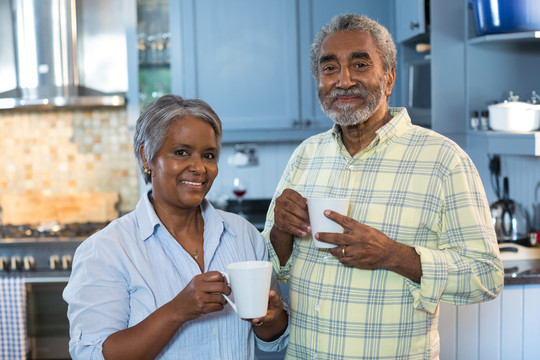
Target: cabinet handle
(295,123)
(307,123)
(414,25)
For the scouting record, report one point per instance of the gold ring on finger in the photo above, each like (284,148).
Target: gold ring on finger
(343,250)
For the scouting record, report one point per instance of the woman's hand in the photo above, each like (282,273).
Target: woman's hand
(201,296)
(274,323)
(275,307)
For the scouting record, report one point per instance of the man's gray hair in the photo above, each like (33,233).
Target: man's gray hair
(351,22)
(154,123)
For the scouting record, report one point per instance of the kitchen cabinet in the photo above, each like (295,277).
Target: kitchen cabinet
(412,19)
(153,45)
(505,328)
(254,72)
(447,36)
(243,65)
(412,36)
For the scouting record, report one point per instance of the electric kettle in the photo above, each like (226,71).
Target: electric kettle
(510,220)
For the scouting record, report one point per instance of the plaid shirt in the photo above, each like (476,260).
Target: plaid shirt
(417,187)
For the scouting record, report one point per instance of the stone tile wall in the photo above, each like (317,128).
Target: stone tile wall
(64,151)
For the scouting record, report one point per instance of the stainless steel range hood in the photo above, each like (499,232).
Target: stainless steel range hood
(47,42)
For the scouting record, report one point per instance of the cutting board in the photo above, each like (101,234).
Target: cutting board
(519,252)
(62,209)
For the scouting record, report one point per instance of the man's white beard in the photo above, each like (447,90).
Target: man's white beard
(347,115)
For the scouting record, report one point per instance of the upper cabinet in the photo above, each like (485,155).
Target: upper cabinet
(242,58)
(249,59)
(412,38)
(412,19)
(153,46)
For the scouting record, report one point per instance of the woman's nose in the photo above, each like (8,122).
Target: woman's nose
(196,164)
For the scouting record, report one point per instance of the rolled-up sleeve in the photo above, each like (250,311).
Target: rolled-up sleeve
(465,268)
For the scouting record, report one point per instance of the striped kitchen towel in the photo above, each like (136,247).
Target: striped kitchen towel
(12,318)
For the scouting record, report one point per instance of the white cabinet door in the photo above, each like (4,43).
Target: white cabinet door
(410,19)
(505,328)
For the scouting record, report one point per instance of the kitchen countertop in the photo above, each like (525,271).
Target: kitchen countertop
(521,266)
(255,210)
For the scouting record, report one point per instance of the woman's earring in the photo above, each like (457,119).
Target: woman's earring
(147,172)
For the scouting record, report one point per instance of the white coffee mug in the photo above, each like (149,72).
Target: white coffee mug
(320,223)
(250,285)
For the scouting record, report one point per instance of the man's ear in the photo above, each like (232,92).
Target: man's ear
(390,80)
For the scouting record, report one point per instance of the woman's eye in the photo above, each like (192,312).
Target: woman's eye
(210,156)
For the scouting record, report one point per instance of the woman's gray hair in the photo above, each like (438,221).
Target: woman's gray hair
(351,22)
(156,120)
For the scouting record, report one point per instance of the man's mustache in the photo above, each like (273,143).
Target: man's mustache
(356,90)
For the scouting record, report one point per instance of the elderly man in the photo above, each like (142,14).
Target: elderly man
(418,230)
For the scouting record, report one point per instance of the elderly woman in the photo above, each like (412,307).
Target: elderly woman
(148,285)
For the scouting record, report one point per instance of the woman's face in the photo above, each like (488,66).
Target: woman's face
(186,164)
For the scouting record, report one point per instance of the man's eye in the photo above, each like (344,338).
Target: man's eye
(328,68)
(359,65)
(180,152)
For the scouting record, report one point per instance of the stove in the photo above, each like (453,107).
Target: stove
(41,251)
(42,256)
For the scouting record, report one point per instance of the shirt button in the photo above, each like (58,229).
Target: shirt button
(351,167)
(325,259)
(314,356)
(216,330)
(317,307)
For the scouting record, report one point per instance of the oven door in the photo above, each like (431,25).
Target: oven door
(46,314)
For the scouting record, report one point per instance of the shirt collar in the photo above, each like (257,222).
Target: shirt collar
(148,220)
(399,123)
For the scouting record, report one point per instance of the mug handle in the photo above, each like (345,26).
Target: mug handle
(233,305)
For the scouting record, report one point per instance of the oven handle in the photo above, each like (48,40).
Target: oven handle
(46,279)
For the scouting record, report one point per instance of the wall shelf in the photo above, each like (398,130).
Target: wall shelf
(513,37)
(504,143)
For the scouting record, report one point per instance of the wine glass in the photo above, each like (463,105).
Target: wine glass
(239,189)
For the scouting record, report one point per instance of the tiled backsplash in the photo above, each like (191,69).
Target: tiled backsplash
(65,151)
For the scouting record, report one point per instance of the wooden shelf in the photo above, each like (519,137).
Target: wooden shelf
(513,37)
(506,143)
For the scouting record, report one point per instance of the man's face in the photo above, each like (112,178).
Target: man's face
(352,85)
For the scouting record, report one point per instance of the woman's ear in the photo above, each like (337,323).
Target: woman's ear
(143,157)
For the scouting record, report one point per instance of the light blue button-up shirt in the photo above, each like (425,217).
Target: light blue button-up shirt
(132,267)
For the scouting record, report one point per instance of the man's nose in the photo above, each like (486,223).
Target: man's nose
(345,81)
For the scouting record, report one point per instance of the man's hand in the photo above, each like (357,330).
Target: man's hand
(291,214)
(365,247)
(290,218)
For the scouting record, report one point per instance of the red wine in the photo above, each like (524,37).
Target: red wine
(239,193)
